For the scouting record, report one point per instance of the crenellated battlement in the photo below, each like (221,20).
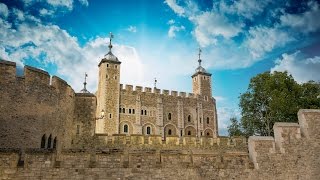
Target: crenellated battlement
(287,137)
(164,92)
(32,77)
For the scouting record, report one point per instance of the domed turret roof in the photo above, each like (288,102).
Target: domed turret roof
(200,69)
(110,57)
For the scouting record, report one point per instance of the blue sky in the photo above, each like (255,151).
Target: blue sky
(160,38)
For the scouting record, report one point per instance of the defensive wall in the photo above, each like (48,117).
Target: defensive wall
(38,110)
(293,153)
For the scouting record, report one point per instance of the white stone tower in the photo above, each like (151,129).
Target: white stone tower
(108,94)
(201,81)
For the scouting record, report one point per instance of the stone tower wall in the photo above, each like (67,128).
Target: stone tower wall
(201,84)
(31,107)
(84,121)
(152,108)
(108,97)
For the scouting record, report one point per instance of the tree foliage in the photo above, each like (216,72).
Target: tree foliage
(234,129)
(275,97)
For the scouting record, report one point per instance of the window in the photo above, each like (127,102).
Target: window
(189,133)
(145,112)
(208,134)
(169,116)
(181,133)
(201,133)
(78,129)
(110,116)
(49,142)
(129,111)
(169,132)
(200,120)
(208,120)
(132,111)
(107,65)
(125,128)
(43,141)
(115,66)
(107,76)
(141,112)
(189,118)
(115,77)
(54,143)
(148,130)
(123,110)
(120,110)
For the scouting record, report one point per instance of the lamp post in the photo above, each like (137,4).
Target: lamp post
(101,115)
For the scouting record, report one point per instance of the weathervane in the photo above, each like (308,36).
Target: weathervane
(110,39)
(155,82)
(84,90)
(199,56)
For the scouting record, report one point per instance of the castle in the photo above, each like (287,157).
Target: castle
(48,131)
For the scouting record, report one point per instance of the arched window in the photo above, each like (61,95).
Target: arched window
(148,130)
(43,141)
(123,110)
(120,110)
(189,133)
(110,115)
(125,128)
(145,112)
(200,120)
(141,112)
(169,132)
(49,142)
(129,111)
(208,120)
(107,65)
(181,133)
(189,118)
(133,111)
(54,143)
(169,116)
(208,134)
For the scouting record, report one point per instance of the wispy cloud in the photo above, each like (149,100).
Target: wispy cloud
(132,29)
(174,29)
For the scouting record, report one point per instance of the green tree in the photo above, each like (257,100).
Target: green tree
(234,129)
(270,97)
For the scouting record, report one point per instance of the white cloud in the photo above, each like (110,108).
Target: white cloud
(19,14)
(302,69)
(210,25)
(305,22)
(245,8)
(46,12)
(4,10)
(175,7)
(61,3)
(264,39)
(171,21)
(84,2)
(173,29)
(132,29)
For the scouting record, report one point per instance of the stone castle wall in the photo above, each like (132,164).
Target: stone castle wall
(37,110)
(31,107)
(294,153)
(163,111)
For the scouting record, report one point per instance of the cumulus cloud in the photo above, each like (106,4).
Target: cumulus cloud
(245,8)
(210,25)
(305,22)
(264,39)
(174,29)
(175,7)
(4,10)
(49,44)
(132,29)
(46,12)
(171,21)
(61,3)
(302,69)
